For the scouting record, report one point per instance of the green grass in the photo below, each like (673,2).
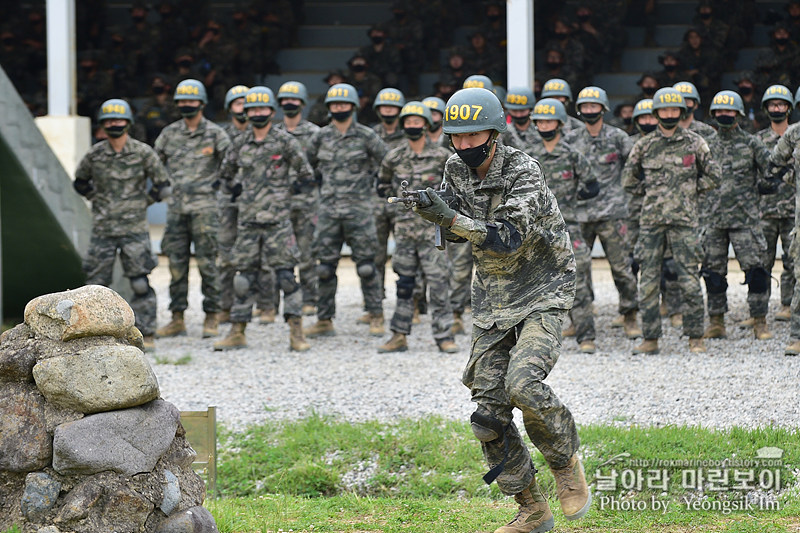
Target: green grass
(162,360)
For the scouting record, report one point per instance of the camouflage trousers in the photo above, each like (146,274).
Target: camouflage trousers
(137,260)
(684,242)
(228,222)
(415,251)
(460,254)
(670,288)
(581,312)
(180,232)
(794,253)
(750,248)
(506,369)
(385,215)
(263,246)
(359,233)
(773,228)
(613,237)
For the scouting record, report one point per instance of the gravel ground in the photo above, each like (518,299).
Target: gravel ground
(739,382)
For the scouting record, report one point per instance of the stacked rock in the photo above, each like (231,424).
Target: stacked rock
(86,445)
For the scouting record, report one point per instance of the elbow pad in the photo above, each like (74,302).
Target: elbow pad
(589,190)
(83,187)
(495,242)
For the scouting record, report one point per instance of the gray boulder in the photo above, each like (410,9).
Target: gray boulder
(25,445)
(41,493)
(17,354)
(193,520)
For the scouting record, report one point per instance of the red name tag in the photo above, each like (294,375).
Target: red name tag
(688,160)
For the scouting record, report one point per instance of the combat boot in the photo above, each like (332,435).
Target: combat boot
(323,328)
(376,328)
(364,319)
(676,320)
(716,327)
(267,316)
(234,340)
(569,332)
(175,328)
(458,324)
(571,488)
(588,346)
(648,347)
(415,319)
(760,330)
(618,322)
(784,315)
(309,310)
(632,330)
(397,343)
(210,326)
(534,515)
(149,343)
(746,324)
(297,342)
(793,349)
(448,346)
(697,345)
(224,316)
(662,308)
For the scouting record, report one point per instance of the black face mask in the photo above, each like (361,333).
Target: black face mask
(188,111)
(725,121)
(446,95)
(548,135)
(649,91)
(783,41)
(378,40)
(645,128)
(139,18)
(591,118)
(8,41)
(561,35)
(413,133)
(669,123)
(745,91)
(260,121)
(521,121)
(627,121)
(777,116)
(584,18)
(388,119)
(341,116)
(185,63)
(705,16)
(291,110)
(241,118)
(358,68)
(538,95)
(670,68)
(115,131)
(158,89)
(474,157)
(553,65)
(436,126)
(492,18)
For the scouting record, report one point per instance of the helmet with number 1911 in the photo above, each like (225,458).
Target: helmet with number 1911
(549,109)
(473,109)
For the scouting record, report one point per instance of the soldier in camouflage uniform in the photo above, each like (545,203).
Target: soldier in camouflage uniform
(437,105)
(521,135)
(114,175)
(732,217)
(293,97)
(192,149)
(345,155)
(691,97)
(561,91)
(420,163)
(666,172)
(261,171)
(605,216)
(524,286)
(570,179)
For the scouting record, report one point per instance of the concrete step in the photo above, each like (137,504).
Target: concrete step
(641,59)
(746,59)
(321,59)
(618,84)
(347,13)
(313,36)
(669,36)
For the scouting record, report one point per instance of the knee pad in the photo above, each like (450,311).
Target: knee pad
(366,270)
(486,428)
(326,271)
(670,269)
(140,285)
(715,283)
(241,285)
(758,279)
(287,281)
(405,287)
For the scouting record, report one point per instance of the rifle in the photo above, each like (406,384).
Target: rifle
(420,198)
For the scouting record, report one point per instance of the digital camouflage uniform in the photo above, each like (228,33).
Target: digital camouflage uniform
(414,245)
(606,215)
(666,175)
(524,140)
(267,169)
(192,160)
(519,299)
(732,217)
(119,220)
(347,163)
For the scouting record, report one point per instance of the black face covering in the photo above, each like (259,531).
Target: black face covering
(413,133)
(725,121)
(290,110)
(783,41)
(493,18)
(358,68)
(669,123)
(115,131)
(188,111)
(260,121)
(521,121)
(553,65)
(705,16)
(645,128)
(341,116)
(670,68)
(474,157)
(548,135)
(591,118)
(745,91)
(776,116)
(627,121)
(241,118)
(377,39)
(584,18)
(436,126)
(185,63)
(649,91)
(388,119)
(158,89)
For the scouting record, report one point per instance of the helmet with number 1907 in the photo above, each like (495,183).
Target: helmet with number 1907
(473,109)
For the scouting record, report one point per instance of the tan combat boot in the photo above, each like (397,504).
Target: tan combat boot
(397,343)
(234,340)
(784,315)
(448,346)
(588,346)
(632,330)
(309,310)
(697,345)
(297,342)
(569,332)
(662,308)
(323,328)
(760,330)
(364,319)
(534,515)
(175,328)
(618,322)
(676,320)
(571,488)
(793,349)
(267,316)
(458,324)
(716,327)
(376,328)
(415,319)
(149,343)
(746,324)
(648,347)
(224,316)
(210,326)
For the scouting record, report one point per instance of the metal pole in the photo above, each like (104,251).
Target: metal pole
(519,44)
(61,81)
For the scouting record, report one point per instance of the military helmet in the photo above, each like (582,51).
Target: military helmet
(259,96)
(479,81)
(797,97)
(688,90)
(592,95)
(435,103)
(556,87)
(727,100)
(642,107)
(473,109)
(668,97)
(293,89)
(418,109)
(342,92)
(191,90)
(234,93)
(115,108)
(389,96)
(777,92)
(550,109)
(520,98)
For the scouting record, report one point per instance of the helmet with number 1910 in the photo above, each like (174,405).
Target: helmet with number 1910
(259,96)
(473,109)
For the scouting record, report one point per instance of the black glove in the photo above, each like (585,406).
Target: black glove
(384,189)
(235,190)
(318,177)
(83,187)
(216,185)
(634,266)
(769,186)
(589,190)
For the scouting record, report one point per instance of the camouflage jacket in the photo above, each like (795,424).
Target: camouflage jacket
(780,204)
(120,200)
(635,201)
(606,154)
(391,140)
(308,197)
(572,124)
(670,173)
(783,155)
(193,160)
(565,170)
(515,204)
(702,129)
(444,142)
(735,203)
(522,140)
(347,163)
(267,171)
(234,132)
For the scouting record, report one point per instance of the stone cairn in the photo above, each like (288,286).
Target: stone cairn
(86,444)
